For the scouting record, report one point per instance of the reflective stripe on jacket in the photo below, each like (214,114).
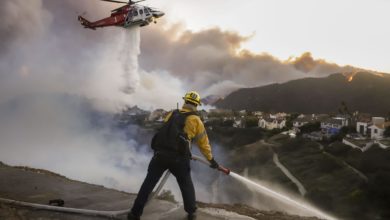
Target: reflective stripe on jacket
(195,130)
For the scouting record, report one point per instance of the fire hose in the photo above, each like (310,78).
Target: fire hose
(109,214)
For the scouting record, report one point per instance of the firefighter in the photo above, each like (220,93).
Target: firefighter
(172,151)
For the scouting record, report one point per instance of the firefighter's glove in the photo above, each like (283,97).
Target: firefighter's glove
(213,164)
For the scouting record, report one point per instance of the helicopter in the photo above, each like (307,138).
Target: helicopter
(131,14)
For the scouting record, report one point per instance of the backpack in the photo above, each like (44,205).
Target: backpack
(171,137)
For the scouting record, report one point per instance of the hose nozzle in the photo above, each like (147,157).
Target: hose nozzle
(224,170)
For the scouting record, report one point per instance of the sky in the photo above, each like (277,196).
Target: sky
(347,32)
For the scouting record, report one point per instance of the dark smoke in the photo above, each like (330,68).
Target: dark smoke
(212,60)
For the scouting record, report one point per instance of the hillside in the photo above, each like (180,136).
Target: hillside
(338,179)
(366,92)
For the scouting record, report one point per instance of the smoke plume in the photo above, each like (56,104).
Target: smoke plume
(213,62)
(60,86)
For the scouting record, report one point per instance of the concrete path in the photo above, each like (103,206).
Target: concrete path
(37,186)
(286,172)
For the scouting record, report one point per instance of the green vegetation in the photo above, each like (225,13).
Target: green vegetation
(221,114)
(220,122)
(290,119)
(251,121)
(167,196)
(330,174)
(343,132)
(310,127)
(330,183)
(374,163)
(344,110)
(387,132)
(230,137)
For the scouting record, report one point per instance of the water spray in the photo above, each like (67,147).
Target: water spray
(265,190)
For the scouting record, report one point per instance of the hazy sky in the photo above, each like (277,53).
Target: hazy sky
(354,32)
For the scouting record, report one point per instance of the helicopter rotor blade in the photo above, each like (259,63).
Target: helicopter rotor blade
(114,1)
(131,2)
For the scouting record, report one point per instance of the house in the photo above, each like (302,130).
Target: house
(157,115)
(332,126)
(278,115)
(362,126)
(238,122)
(373,128)
(257,113)
(305,119)
(302,120)
(377,131)
(272,123)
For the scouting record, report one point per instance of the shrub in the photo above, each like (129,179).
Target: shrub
(387,132)
(167,196)
(320,198)
(338,149)
(327,165)
(310,127)
(251,122)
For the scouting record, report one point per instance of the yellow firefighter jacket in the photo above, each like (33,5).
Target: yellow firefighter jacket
(195,131)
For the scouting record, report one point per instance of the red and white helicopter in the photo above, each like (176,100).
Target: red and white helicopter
(131,14)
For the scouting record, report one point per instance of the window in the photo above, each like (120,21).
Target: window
(375,131)
(141,11)
(147,11)
(135,13)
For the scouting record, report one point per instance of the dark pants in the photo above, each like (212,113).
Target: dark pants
(180,168)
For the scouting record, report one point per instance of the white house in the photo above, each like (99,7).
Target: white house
(269,123)
(305,119)
(278,115)
(332,126)
(362,127)
(238,122)
(377,131)
(374,128)
(257,113)
(302,120)
(157,115)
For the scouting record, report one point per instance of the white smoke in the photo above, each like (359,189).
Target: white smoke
(60,86)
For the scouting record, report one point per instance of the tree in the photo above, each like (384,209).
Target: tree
(310,127)
(290,119)
(387,132)
(343,109)
(251,122)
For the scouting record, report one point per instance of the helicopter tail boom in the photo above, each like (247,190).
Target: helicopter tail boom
(85,23)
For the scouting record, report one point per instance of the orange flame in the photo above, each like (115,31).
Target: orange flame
(350,75)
